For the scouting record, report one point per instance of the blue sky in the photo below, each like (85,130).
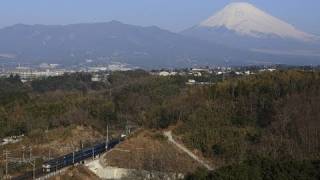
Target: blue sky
(174,15)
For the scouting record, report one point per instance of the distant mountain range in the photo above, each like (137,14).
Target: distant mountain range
(242,25)
(239,34)
(109,42)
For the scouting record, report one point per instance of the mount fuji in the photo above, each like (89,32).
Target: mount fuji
(243,25)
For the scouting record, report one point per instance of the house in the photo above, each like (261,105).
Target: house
(164,73)
(191,82)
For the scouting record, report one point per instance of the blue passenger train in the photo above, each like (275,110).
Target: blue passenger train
(77,157)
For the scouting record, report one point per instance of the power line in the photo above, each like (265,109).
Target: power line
(9,158)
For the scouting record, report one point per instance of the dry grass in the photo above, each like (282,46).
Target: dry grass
(59,141)
(76,173)
(69,140)
(150,151)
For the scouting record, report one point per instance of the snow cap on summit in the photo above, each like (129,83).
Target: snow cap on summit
(245,19)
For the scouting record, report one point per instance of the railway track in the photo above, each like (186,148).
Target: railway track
(67,160)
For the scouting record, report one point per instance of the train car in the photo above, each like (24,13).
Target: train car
(76,157)
(112,144)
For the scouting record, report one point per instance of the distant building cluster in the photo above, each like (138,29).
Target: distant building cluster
(198,75)
(100,73)
(30,73)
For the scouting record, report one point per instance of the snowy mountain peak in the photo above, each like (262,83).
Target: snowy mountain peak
(245,19)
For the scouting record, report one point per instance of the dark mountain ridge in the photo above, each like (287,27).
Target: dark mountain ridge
(148,47)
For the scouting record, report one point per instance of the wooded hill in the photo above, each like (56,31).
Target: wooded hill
(271,116)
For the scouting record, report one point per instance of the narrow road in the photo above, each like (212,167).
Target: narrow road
(168,134)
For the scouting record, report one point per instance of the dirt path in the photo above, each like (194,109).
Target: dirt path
(168,134)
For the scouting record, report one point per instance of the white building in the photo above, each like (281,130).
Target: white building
(164,73)
(191,82)
(27,74)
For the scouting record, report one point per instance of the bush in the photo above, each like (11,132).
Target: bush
(257,168)
(217,149)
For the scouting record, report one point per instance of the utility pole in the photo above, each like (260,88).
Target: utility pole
(6,154)
(81,146)
(127,131)
(33,164)
(30,153)
(34,169)
(49,154)
(23,149)
(107,140)
(93,153)
(73,157)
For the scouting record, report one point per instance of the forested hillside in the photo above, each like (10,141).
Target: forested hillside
(257,123)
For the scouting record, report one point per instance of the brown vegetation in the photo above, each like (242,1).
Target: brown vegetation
(58,141)
(76,173)
(150,151)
